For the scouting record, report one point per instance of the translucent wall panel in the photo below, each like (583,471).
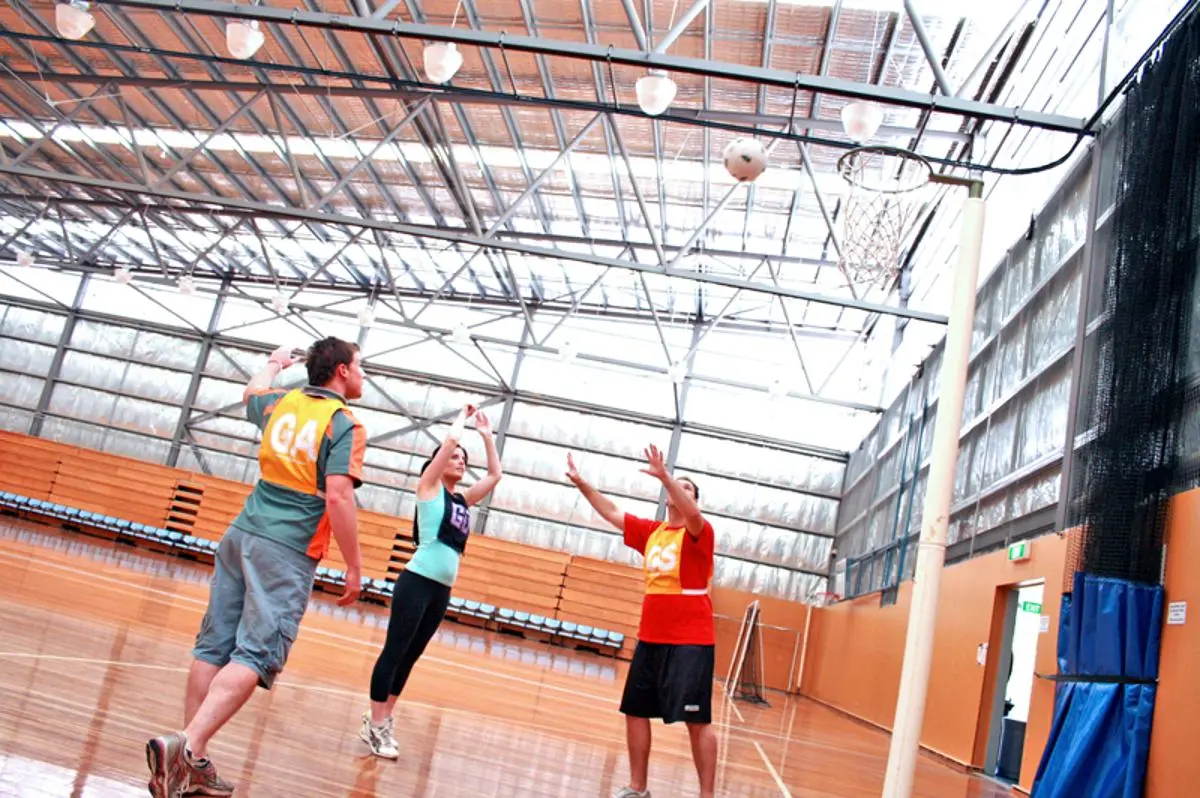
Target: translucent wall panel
(20,391)
(25,357)
(15,420)
(1014,410)
(761,463)
(31,325)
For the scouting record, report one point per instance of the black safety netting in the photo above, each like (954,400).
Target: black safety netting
(1130,470)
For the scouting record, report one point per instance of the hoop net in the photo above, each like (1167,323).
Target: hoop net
(887,189)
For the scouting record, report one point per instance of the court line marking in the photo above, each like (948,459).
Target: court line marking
(771,769)
(133,722)
(143,590)
(84,576)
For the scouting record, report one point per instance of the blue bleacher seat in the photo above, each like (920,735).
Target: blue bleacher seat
(616,638)
(552,625)
(505,615)
(521,619)
(583,632)
(568,628)
(457,604)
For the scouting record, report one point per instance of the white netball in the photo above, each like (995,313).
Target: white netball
(745,159)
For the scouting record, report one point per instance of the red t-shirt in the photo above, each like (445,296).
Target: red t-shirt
(678,568)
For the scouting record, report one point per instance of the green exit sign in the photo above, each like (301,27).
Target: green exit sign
(1019,551)
(1031,606)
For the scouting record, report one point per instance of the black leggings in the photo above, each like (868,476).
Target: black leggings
(418,606)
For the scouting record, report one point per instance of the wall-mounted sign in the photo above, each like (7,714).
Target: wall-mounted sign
(1177,613)
(1017,552)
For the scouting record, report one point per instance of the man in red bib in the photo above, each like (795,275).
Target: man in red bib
(671,676)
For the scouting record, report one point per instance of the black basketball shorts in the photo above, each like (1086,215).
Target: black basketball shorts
(672,682)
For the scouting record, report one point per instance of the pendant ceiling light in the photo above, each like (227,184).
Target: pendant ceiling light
(243,38)
(73,19)
(442,61)
(655,92)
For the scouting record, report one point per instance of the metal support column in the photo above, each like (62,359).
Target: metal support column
(60,350)
(677,427)
(189,399)
(501,431)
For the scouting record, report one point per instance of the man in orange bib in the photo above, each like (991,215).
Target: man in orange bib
(671,675)
(311,461)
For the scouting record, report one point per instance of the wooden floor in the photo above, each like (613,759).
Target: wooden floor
(94,642)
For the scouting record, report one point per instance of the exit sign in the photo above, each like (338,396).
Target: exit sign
(1031,606)
(1019,551)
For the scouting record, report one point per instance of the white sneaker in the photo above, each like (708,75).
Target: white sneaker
(629,792)
(380,739)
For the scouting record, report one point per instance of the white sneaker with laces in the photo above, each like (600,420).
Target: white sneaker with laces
(380,739)
(629,792)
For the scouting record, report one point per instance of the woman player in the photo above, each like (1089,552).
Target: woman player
(422,592)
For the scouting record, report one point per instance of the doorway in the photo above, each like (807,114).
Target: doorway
(1014,683)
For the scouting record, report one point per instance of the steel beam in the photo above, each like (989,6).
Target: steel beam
(189,399)
(635,23)
(366,159)
(553,238)
(60,351)
(939,75)
(457,94)
(471,240)
(597,53)
(680,26)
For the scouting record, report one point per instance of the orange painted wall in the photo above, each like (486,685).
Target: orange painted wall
(856,648)
(779,644)
(1174,768)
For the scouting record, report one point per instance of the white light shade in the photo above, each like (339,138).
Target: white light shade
(655,92)
(461,335)
(778,388)
(24,260)
(861,120)
(243,38)
(279,302)
(442,61)
(123,276)
(677,372)
(366,316)
(187,286)
(567,352)
(73,20)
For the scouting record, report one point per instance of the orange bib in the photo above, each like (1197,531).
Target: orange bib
(292,439)
(661,564)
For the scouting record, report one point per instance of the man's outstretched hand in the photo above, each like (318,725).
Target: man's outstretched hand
(656,464)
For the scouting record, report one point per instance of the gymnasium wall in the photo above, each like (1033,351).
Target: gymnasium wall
(856,648)
(1174,769)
